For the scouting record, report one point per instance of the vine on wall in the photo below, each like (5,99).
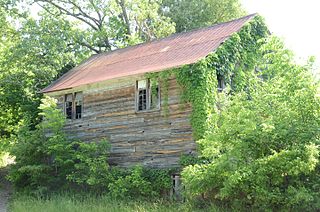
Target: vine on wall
(235,60)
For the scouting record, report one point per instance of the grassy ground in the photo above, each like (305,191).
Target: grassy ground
(67,203)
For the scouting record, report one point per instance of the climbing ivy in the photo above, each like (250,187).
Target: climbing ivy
(199,86)
(235,60)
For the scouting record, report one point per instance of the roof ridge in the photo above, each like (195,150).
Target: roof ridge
(174,35)
(139,55)
(173,49)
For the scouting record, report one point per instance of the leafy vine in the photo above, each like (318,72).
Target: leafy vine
(235,60)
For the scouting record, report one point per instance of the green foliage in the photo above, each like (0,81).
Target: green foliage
(131,185)
(91,166)
(46,160)
(141,182)
(234,60)
(191,14)
(199,84)
(70,202)
(30,58)
(264,151)
(34,51)
(238,57)
(160,180)
(109,24)
(190,159)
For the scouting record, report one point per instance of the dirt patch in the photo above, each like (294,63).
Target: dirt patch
(5,190)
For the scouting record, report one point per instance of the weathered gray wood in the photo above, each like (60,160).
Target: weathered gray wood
(149,138)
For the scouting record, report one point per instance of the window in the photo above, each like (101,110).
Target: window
(73,105)
(142,95)
(68,105)
(221,83)
(78,105)
(154,95)
(147,96)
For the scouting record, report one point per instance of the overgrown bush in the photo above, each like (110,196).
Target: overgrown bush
(47,160)
(141,182)
(264,152)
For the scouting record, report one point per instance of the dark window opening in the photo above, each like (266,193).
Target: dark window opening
(221,83)
(78,104)
(142,100)
(68,106)
(148,95)
(73,105)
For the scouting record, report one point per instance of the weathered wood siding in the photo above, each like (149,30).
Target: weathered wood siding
(150,137)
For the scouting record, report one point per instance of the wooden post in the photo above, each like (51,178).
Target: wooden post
(176,188)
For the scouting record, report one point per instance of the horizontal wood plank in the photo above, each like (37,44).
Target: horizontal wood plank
(151,138)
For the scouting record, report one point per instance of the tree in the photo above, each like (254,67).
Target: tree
(46,160)
(112,24)
(30,58)
(264,152)
(191,14)
(8,37)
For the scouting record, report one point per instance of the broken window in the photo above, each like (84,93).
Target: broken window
(154,95)
(142,95)
(148,96)
(78,105)
(68,105)
(73,105)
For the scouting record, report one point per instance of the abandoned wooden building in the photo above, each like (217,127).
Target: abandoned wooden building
(109,97)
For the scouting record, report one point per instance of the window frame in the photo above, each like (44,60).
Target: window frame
(73,107)
(148,97)
(65,106)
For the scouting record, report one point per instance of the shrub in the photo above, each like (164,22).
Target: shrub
(131,185)
(141,182)
(47,160)
(264,152)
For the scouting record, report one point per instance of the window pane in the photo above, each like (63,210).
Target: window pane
(142,100)
(148,96)
(142,84)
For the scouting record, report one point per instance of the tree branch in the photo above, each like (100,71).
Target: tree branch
(97,11)
(85,14)
(75,15)
(125,15)
(98,51)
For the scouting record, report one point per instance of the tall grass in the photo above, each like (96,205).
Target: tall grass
(68,203)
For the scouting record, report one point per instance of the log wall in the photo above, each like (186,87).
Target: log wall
(150,138)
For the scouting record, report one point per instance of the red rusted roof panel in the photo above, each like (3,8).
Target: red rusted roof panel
(173,51)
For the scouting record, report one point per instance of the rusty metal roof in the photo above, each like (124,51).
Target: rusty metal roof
(173,51)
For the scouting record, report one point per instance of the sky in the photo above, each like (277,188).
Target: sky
(297,22)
